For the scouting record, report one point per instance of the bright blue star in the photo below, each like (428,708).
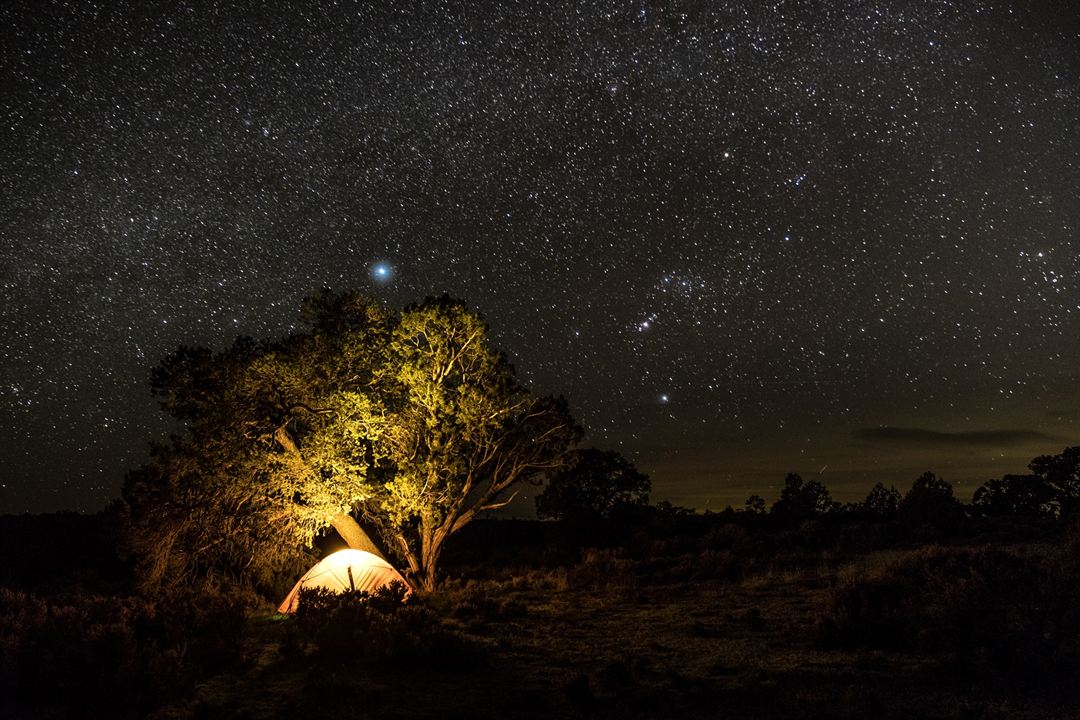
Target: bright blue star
(382,272)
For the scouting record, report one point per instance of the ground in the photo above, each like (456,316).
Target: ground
(614,648)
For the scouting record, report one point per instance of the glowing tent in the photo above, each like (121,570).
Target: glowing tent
(343,571)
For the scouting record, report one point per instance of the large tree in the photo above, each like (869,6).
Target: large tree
(1051,490)
(931,504)
(459,432)
(882,502)
(802,499)
(593,487)
(409,422)
(1061,473)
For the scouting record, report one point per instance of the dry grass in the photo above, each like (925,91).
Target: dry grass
(735,649)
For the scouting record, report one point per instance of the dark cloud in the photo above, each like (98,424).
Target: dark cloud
(922,436)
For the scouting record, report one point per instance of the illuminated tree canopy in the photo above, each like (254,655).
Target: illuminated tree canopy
(398,426)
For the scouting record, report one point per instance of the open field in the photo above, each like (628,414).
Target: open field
(734,649)
(691,617)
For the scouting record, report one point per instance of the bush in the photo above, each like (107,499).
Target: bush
(477,604)
(728,537)
(987,608)
(95,655)
(603,570)
(385,628)
(707,565)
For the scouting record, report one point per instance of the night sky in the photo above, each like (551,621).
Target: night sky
(743,239)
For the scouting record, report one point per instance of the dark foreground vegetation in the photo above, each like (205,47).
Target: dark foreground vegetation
(906,605)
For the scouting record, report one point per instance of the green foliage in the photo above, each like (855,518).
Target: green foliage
(410,421)
(190,525)
(595,485)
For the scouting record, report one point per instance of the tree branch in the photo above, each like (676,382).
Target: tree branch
(285,440)
(307,408)
(496,506)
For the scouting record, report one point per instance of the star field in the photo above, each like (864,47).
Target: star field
(739,237)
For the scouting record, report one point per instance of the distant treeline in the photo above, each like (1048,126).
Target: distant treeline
(1049,492)
(602,501)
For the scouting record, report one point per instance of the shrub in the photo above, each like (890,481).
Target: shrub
(603,570)
(383,628)
(479,603)
(986,607)
(105,655)
(707,565)
(728,537)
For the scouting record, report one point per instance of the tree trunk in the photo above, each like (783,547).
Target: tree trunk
(427,582)
(428,564)
(354,535)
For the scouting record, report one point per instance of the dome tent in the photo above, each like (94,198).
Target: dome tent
(344,571)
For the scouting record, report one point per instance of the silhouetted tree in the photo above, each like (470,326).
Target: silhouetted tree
(1019,496)
(409,422)
(931,502)
(883,502)
(665,509)
(1062,473)
(930,486)
(1051,490)
(755,504)
(593,487)
(800,499)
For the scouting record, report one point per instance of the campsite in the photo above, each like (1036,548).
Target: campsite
(664,614)
(334,533)
(517,360)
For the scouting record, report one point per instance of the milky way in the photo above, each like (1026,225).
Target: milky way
(742,239)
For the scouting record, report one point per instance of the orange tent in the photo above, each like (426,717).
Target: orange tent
(343,571)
